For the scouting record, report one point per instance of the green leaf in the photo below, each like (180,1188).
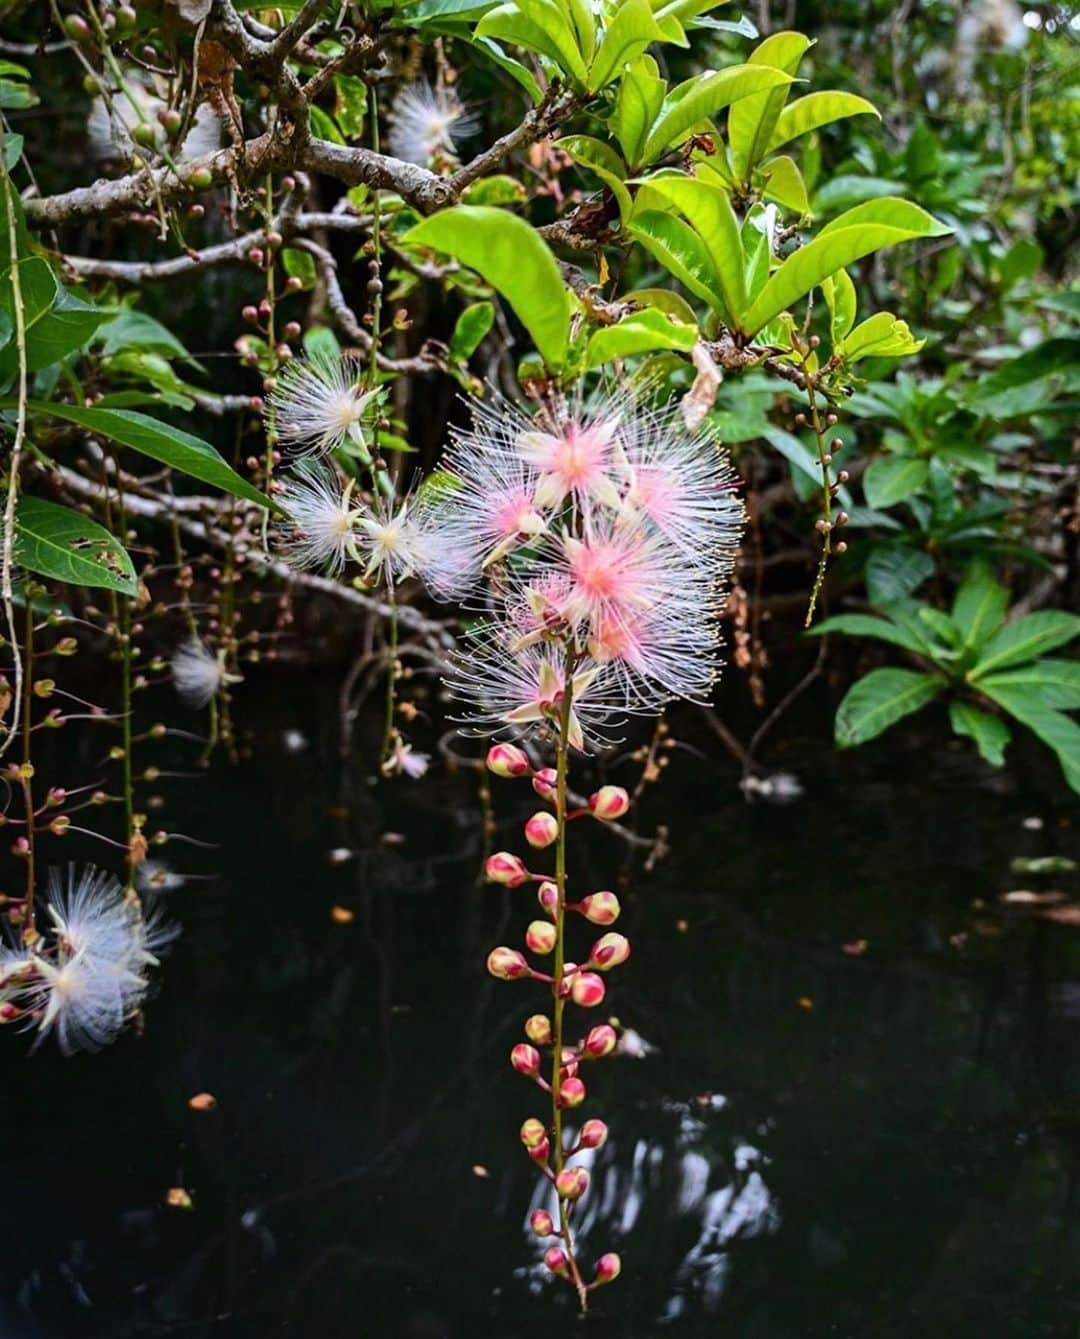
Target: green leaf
(814,110)
(350,107)
(784,184)
(979,606)
(894,571)
(879,336)
(1055,683)
(160,441)
(324,126)
(497,190)
(1027,637)
(67,327)
(640,332)
(867,625)
(679,249)
(632,29)
(702,97)
(990,733)
(536,25)
(637,105)
(300,265)
(1050,358)
(891,479)
(751,123)
(602,159)
(880,699)
(66,546)
(130,329)
(708,210)
(866,228)
(1058,731)
(841,299)
(514,260)
(471,327)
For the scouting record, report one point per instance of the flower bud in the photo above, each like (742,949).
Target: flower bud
(507,964)
(609,802)
(601,1041)
(541,1224)
(533,1132)
(555,1259)
(608,1269)
(571,1092)
(601,908)
(593,1134)
(503,867)
(548,897)
(609,951)
(587,989)
(540,937)
(541,830)
(526,1060)
(506,760)
(544,782)
(201,178)
(540,1153)
(569,968)
(571,1183)
(538,1029)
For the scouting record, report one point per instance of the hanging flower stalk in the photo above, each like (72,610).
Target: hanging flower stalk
(598,540)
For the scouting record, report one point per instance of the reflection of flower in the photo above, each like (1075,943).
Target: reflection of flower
(425,122)
(89,976)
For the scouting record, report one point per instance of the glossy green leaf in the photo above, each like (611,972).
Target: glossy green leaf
(602,159)
(815,110)
(637,105)
(470,328)
(979,606)
(640,332)
(880,699)
(161,442)
(891,479)
(1056,683)
(631,30)
(867,625)
(131,329)
(784,184)
(989,733)
(702,97)
(895,571)
(879,336)
(679,249)
(1058,731)
(537,25)
(584,21)
(708,210)
(750,124)
(842,300)
(514,260)
(65,545)
(1025,639)
(869,227)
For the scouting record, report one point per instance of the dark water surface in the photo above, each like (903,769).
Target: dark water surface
(824,1142)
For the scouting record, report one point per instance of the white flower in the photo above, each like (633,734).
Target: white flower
(392,541)
(72,997)
(109,125)
(198,673)
(425,122)
(322,531)
(405,761)
(318,404)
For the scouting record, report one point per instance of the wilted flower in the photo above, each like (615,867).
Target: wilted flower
(425,123)
(321,532)
(318,403)
(198,673)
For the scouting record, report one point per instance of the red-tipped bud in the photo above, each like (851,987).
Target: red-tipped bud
(506,760)
(601,1041)
(503,867)
(538,1029)
(593,1134)
(533,1132)
(609,951)
(587,989)
(507,964)
(608,1269)
(555,1259)
(526,1060)
(545,782)
(548,897)
(601,908)
(572,1182)
(541,1224)
(541,830)
(569,968)
(540,937)
(571,1092)
(540,1153)
(609,802)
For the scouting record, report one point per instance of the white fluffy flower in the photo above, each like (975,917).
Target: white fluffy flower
(198,674)
(394,544)
(318,404)
(110,122)
(426,122)
(322,532)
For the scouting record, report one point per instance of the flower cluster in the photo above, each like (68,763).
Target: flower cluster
(89,974)
(611,530)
